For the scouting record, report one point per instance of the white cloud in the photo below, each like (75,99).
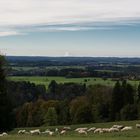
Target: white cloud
(16,14)
(9,33)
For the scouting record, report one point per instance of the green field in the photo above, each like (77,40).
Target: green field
(71,135)
(46,80)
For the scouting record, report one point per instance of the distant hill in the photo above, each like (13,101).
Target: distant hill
(83,60)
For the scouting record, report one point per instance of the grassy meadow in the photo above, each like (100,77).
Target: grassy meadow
(45,80)
(71,135)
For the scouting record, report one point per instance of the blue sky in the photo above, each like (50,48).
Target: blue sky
(70,28)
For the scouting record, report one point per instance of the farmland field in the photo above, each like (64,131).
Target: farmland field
(47,67)
(71,135)
(46,80)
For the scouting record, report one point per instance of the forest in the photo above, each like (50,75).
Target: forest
(25,104)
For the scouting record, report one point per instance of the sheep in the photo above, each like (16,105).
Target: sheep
(126,128)
(105,130)
(21,131)
(118,126)
(63,132)
(78,129)
(137,125)
(113,130)
(56,130)
(51,133)
(3,134)
(98,130)
(82,132)
(67,128)
(35,132)
(91,129)
(46,132)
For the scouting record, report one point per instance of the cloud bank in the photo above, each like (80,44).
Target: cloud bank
(65,15)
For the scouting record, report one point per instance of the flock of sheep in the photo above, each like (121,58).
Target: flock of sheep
(84,131)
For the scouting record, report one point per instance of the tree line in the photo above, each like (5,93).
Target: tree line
(89,71)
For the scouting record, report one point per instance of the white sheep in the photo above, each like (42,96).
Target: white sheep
(46,132)
(35,132)
(21,131)
(113,130)
(63,132)
(126,128)
(3,134)
(105,130)
(138,125)
(56,130)
(91,129)
(118,126)
(98,130)
(82,132)
(78,129)
(66,128)
(51,133)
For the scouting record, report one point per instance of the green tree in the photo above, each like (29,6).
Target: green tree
(63,112)
(129,112)
(38,113)
(6,117)
(51,117)
(22,115)
(52,86)
(129,95)
(139,92)
(117,101)
(80,110)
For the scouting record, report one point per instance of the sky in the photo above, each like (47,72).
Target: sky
(70,28)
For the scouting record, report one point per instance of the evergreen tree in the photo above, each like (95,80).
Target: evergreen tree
(129,96)
(139,92)
(6,118)
(52,86)
(51,117)
(117,101)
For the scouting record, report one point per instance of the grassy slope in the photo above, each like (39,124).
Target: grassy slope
(129,135)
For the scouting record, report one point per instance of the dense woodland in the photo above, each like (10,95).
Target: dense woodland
(24,104)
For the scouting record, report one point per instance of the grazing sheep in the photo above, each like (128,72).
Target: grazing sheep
(91,129)
(127,128)
(46,132)
(137,125)
(105,130)
(78,129)
(118,126)
(51,133)
(3,134)
(67,128)
(56,130)
(98,130)
(113,130)
(82,132)
(63,132)
(21,131)
(35,132)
